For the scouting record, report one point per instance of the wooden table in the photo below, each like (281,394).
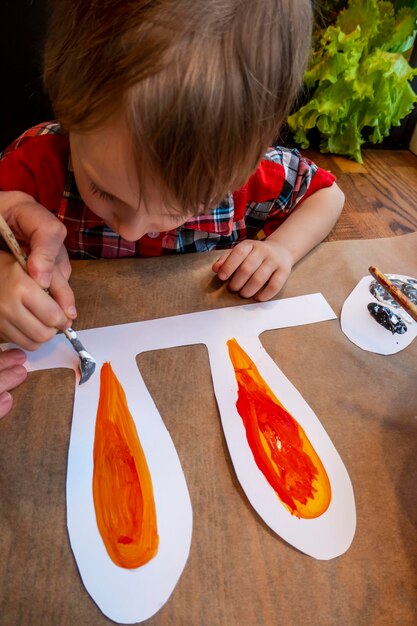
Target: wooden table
(239,572)
(381,193)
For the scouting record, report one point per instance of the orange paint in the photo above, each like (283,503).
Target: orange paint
(122,484)
(280,447)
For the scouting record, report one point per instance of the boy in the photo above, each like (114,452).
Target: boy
(165,109)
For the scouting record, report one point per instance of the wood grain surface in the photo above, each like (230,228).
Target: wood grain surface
(381,193)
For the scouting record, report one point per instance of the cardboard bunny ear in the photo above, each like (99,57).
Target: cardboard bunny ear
(321,523)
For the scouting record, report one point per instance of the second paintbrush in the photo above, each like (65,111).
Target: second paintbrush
(87,362)
(393,290)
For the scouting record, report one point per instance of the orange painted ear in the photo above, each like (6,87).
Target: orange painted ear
(122,485)
(279,445)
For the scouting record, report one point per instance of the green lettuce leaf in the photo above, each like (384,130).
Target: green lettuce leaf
(359,78)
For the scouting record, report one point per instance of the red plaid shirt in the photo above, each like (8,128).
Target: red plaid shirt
(39,163)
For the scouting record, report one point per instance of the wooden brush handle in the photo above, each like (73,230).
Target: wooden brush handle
(393,290)
(12,243)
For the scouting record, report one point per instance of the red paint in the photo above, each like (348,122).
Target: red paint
(280,447)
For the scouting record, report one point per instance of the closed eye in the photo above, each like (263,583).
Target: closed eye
(104,195)
(174,218)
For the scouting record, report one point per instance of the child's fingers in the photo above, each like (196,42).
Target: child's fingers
(27,332)
(46,251)
(218,264)
(254,282)
(234,259)
(41,232)
(63,296)
(38,229)
(272,287)
(47,314)
(63,263)
(33,320)
(249,277)
(31,308)
(28,315)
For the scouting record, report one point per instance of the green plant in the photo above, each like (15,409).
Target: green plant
(327,11)
(358,77)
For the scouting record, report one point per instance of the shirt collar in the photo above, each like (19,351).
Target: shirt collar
(219,220)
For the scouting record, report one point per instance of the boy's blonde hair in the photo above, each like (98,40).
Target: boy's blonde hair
(204,85)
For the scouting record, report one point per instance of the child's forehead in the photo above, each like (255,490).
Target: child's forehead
(106,148)
(111,137)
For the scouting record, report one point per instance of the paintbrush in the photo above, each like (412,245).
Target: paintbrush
(87,362)
(393,290)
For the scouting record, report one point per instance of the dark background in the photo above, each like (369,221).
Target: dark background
(23,100)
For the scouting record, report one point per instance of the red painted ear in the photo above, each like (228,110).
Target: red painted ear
(280,447)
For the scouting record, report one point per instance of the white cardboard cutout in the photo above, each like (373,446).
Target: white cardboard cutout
(129,596)
(361,328)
